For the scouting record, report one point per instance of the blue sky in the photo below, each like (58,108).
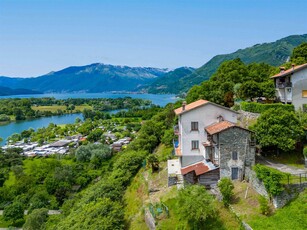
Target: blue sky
(39,36)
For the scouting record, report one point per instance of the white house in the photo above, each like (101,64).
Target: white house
(291,85)
(210,144)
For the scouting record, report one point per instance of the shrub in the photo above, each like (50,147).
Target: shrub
(260,108)
(195,205)
(226,187)
(264,205)
(236,107)
(13,212)
(36,220)
(305,152)
(271,178)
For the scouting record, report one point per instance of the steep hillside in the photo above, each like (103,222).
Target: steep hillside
(165,84)
(91,78)
(273,53)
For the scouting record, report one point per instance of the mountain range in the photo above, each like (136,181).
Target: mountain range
(100,77)
(273,53)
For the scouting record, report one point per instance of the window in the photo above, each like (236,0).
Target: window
(195,144)
(234,155)
(304,93)
(234,173)
(194,126)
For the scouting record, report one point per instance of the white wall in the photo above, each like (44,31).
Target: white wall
(205,116)
(299,83)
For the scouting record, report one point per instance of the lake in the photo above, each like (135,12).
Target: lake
(157,99)
(7,130)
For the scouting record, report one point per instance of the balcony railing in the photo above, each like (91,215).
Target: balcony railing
(282,85)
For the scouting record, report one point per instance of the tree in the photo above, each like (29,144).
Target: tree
(226,187)
(299,54)
(153,161)
(250,89)
(41,199)
(36,220)
(278,128)
(195,205)
(13,212)
(100,214)
(95,135)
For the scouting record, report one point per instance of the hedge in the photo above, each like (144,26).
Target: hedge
(255,107)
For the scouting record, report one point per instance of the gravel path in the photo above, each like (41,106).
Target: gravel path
(280,167)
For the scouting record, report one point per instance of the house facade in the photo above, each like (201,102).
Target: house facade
(210,144)
(291,85)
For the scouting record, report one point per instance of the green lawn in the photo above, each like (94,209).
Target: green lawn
(55,108)
(292,216)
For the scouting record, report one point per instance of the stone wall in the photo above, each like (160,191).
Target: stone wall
(235,140)
(257,184)
(291,191)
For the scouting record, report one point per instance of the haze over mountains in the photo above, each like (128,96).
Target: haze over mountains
(105,78)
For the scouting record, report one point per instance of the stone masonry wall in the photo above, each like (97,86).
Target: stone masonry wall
(235,139)
(291,191)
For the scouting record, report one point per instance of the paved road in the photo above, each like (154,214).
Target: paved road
(279,166)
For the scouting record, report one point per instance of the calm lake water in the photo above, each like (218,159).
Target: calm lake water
(158,99)
(7,130)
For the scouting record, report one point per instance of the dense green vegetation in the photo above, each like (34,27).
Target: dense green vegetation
(105,197)
(278,128)
(32,107)
(271,178)
(226,187)
(292,216)
(234,79)
(260,108)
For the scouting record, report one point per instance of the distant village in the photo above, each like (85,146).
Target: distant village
(62,146)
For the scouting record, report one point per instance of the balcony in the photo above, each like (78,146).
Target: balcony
(177,150)
(176,130)
(282,85)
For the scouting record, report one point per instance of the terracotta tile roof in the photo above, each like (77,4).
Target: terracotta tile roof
(199,168)
(218,127)
(290,71)
(191,106)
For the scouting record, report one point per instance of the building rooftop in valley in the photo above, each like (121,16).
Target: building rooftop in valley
(293,69)
(60,143)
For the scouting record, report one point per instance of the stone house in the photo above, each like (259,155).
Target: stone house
(291,85)
(210,144)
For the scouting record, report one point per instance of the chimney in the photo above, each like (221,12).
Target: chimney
(183,105)
(282,69)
